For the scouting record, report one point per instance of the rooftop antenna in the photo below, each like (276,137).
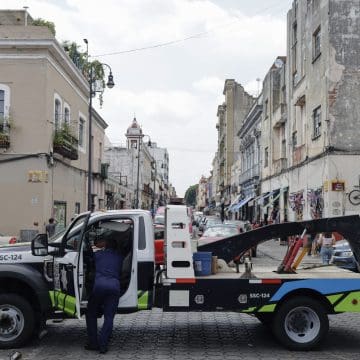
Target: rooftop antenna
(26,14)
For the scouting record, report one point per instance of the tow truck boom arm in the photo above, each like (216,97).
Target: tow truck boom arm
(229,248)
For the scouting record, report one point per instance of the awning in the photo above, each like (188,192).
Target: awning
(242,203)
(272,201)
(261,198)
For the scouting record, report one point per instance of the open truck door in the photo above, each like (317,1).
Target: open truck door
(68,274)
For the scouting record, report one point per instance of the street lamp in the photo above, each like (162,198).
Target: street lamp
(92,92)
(140,137)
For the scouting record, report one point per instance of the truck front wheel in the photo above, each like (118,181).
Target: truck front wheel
(17,321)
(300,324)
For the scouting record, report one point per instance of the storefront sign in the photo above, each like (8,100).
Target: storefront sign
(338,185)
(36,176)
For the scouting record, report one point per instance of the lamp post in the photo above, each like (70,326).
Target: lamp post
(140,137)
(92,92)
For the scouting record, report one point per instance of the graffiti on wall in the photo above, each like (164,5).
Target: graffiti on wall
(296,203)
(316,202)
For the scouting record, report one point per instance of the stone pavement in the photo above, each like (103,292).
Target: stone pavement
(152,335)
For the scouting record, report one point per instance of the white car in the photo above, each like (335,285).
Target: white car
(6,240)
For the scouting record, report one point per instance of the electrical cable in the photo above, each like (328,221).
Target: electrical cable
(190,37)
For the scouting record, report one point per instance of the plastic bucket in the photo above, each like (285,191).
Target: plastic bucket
(202,263)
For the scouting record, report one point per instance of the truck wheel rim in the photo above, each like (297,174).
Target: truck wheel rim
(302,325)
(11,322)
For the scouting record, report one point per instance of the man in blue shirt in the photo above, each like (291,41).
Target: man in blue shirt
(104,296)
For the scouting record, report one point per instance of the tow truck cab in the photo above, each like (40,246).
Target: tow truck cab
(72,269)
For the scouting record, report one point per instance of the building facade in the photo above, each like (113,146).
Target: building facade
(230,118)
(43,130)
(249,178)
(313,173)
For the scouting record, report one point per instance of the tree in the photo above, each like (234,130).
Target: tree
(41,22)
(190,195)
(80,59)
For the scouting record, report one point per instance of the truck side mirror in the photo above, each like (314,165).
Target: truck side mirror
(39,245)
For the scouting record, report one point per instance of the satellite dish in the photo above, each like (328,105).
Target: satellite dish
(279,63)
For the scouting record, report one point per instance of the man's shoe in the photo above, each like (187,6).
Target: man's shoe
(91,347)
(103,350)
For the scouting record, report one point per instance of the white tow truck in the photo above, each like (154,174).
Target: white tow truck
(294,304)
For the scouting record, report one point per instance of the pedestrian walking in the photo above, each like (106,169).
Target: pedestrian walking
(326,241)
(50,227)
(104,296)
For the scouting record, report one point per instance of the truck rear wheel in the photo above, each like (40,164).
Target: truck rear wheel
(17,321)
(300,324)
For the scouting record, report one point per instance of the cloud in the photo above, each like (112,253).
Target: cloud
(211,84)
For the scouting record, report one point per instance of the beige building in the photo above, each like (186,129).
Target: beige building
(43,131)
(230,117)
(201,196)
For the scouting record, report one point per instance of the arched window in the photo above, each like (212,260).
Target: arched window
(81,132)
(57,113)
(66,114)
(4,102)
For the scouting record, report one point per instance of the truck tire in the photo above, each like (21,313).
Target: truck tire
(301,323)
(17,321)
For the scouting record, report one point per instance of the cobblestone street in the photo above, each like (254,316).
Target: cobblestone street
(157,335)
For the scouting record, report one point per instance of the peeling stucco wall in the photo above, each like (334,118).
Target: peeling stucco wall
(344,74)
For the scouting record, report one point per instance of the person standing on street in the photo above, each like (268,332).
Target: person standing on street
(326,240)
(50,227)
(105,295)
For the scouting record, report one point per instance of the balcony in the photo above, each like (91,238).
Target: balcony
(4,136)
(279,165)
(280,116)
(65,143)
(249,174)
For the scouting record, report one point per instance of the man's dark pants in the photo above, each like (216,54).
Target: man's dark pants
(106,303)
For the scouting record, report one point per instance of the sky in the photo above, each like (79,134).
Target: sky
(173,90)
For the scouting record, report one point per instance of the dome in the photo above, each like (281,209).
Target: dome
(134,128)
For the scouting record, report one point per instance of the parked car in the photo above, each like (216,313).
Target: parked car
(210,221)
(159,234)
(217,232)
(344,257)
(6,240)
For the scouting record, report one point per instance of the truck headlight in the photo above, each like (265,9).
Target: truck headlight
(347,254)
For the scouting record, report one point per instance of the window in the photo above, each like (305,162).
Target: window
(294,33)
(67,116)
(294,139)
(317,122)
(283,148)
(57,113)
(266,110)
(2,104)
(266,157)
(133,144)
(81,131)
(317,43)
(77,208)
